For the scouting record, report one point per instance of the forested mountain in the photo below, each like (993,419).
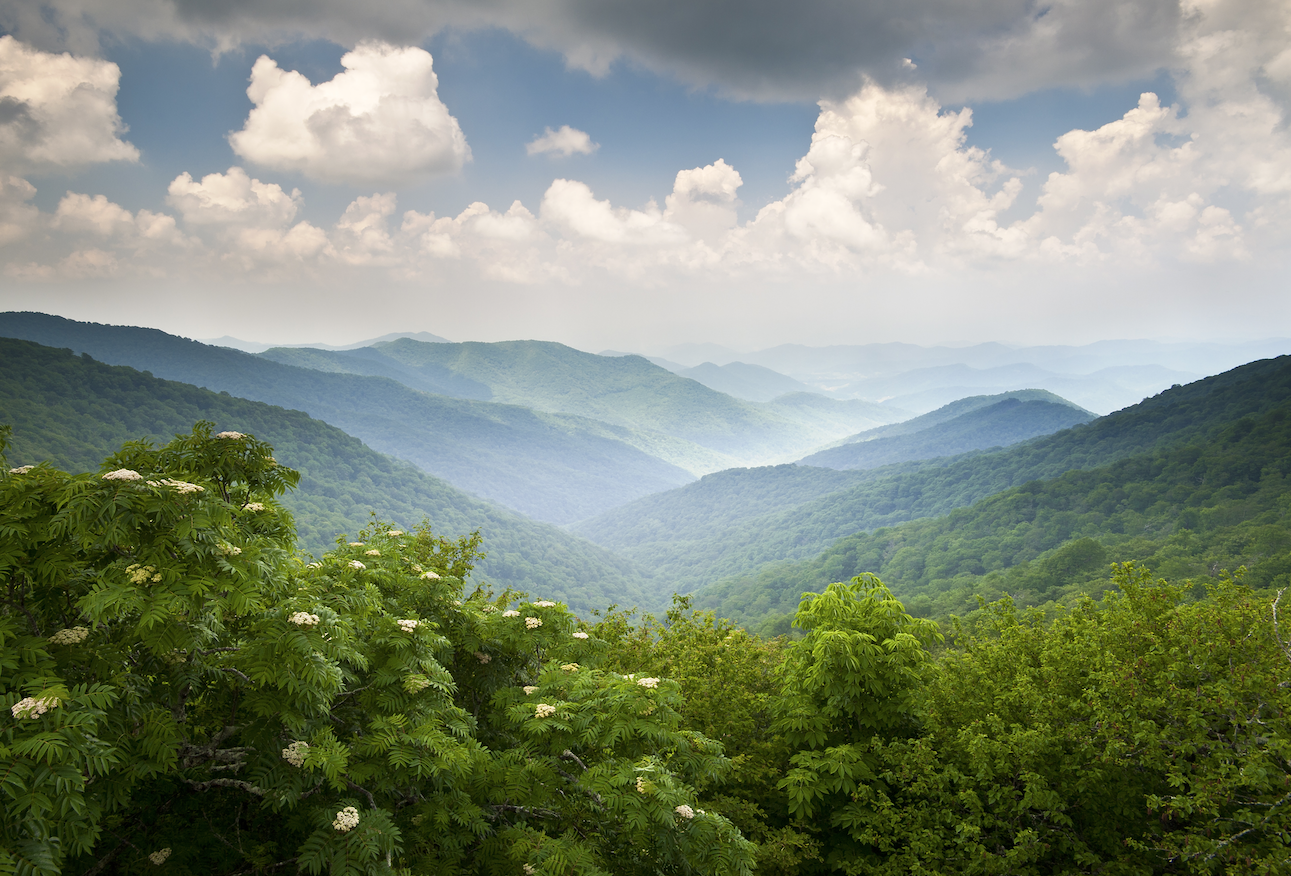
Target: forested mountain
(626,391)
(687,537)
(553,467)
(1000,424)
(742,380)
(1218,502)
(73,411)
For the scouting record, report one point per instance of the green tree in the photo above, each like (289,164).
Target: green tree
(184,692)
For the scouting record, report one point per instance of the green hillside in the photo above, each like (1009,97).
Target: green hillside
(709,546)
(1001,424)
(552,467)
(73,411)
(1187,512)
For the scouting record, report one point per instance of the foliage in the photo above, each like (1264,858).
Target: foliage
(182,691)
(72,411)
(1188,511)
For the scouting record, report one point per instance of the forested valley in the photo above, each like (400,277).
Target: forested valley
(1006,637)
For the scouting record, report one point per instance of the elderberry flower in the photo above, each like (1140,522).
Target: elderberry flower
(529,689)
(580,635)
(532,623)
(142,574)
(253,506)
(489,609)
(356,544)
(544,710)
(648,682)
(408,625)
(372,553)
(569,667)
(304,619)
(233,436)
(159,857)
(684,811)
(182,487)
(430,576)
(123,474)
(529,870)
(544,603)
(355,564)
(511,612)
(22,469)
(482,657)
(34,707)
(294,754)
(347,819)
(642,788)
(70,636)
(230,550)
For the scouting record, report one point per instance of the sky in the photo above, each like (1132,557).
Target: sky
(633,175)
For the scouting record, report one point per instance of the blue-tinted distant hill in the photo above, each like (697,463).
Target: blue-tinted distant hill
(999,423)
(73,411)
(750,382)
(554,467)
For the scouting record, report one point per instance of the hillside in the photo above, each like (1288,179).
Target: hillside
(749,382)
(1188,512)
(552,467)
(708,546)
(1000,424)
(73,411)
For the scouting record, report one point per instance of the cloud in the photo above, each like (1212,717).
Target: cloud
(565,142)
(379,122)
(57,112)
(760,49)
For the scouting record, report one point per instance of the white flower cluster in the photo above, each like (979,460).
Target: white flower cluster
(430,576)
(182,487)
(408,625)
(529,689)
(70,636)
(648,682)
(22,469)
(34,707)
(355,564)
(230,550)
(159,857)
(304,619)
(532,623)
(489,609)
(346,819)
(394,533)
(415,683)
(580,635)
(294,754)
(356,544)
(372,553)
(641,785)
(142,574)
(684,811)
(544,710)
(234,436)
(123,474)
(544,603)
(253,506)
(529,870)
(482,657)
(569,667)
(511,612)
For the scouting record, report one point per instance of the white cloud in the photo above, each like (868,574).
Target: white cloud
(379,122)
(565,142)
(58,112)
(570,206)
(18,218)
(232,198)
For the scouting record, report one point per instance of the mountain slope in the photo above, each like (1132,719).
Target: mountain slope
(73,411)
(701,551)
(1220,502)
(1001,424)
(557,468)
(749,382)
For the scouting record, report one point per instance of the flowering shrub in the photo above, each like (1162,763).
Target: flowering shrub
(70,636)
(544,710)
(532,623)
(648,682)
(580,635)
(34,707)
(408,624)
(159,857)
(294,754)
(123,474)
(685,811)
(304,619)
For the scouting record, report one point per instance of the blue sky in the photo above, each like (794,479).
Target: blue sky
(743,174)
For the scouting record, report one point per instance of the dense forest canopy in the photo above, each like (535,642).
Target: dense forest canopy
(183,692)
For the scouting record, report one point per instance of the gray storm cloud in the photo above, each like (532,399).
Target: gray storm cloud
(762,49)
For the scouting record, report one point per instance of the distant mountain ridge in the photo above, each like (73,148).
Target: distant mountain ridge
(72,411)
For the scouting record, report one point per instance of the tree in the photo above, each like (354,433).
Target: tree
(184,692)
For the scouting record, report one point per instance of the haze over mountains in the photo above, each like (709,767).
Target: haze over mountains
(661,480)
